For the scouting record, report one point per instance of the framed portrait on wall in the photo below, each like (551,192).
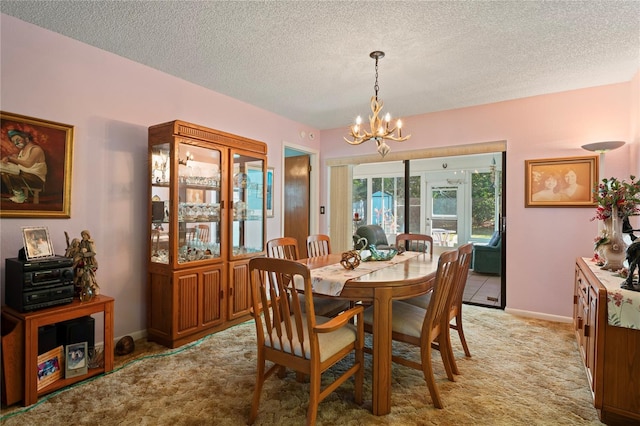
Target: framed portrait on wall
(561,182)
(35,167)
(269,201)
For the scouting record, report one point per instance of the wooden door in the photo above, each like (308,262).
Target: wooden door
(296,200)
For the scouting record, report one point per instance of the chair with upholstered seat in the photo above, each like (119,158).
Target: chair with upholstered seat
(287,248)
(318,245)
(422,327)
(415,242)
(303,341)
(373,234)
(487,259)
(465,253)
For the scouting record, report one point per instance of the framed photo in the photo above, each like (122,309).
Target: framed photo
(37,243)
(36,161)
(195,196)
(561,182)
(269,202)
(76,360)
(50,367)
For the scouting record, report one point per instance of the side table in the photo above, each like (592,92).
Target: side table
(33,320)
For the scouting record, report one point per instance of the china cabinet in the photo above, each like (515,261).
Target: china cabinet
(206,221)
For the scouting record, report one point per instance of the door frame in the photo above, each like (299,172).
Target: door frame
(314,184)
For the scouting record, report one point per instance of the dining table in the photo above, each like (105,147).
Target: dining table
(377,283)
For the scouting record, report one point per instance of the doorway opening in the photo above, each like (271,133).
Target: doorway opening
(455,199)
(300,189)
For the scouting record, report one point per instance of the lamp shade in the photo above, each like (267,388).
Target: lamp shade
(601,147)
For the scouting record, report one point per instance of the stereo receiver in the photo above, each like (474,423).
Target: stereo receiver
(37,284)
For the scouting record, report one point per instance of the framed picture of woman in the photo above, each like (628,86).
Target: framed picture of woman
(561,182)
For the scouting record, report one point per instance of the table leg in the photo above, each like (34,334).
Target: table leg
(381,399)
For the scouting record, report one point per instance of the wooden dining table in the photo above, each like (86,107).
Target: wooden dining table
(403,280)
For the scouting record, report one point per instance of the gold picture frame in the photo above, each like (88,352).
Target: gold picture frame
(50,367)
(561,182)
(41,187)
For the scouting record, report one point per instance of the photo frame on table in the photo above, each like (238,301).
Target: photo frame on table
(561,182)
(37,243)
(44,188)
(50,367)
(76,360)
(269,202)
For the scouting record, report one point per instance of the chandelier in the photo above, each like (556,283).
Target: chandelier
(379,129)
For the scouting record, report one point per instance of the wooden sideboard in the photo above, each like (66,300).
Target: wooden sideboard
(611,354)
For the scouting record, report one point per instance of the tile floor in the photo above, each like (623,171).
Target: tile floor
(482,289)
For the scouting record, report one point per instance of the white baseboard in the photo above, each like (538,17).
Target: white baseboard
(538,315)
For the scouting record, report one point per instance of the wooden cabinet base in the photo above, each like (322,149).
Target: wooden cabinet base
(167,341)
(610,353)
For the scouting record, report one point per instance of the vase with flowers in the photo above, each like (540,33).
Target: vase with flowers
(617,200)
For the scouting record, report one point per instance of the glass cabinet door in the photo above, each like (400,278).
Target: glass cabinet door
(247,207)
(160,195)
(199,198)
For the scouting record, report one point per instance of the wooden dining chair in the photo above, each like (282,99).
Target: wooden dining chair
(283,248)
(287,248)
(302,341)
(421,327)
(465,253)
(318,245)
(415,242)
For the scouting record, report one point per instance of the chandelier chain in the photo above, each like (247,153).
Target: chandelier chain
(375,86)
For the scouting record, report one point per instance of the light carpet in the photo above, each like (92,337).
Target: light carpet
(522,372)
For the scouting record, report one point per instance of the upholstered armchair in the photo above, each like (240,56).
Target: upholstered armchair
(374,234)
(487,259)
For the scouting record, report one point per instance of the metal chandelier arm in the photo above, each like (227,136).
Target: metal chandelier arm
(375,125)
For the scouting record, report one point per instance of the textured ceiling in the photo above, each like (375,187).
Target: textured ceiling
(309,61)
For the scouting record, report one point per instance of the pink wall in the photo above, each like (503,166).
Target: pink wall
(542,242)
(112,101)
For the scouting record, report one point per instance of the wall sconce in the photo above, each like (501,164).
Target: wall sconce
(602,147)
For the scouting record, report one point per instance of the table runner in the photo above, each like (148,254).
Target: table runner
(623,306)
(329,280)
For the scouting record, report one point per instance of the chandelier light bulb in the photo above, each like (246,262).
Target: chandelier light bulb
(358,120)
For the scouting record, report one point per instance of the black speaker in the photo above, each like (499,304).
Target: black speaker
(47,338)
(76,331)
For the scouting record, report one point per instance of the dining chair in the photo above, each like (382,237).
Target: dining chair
(415,242)
(421,327)
(283,248)
(290,337)
(465,253)
(318,245)
(287,248)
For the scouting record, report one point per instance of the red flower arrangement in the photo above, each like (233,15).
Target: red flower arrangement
(614,192)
